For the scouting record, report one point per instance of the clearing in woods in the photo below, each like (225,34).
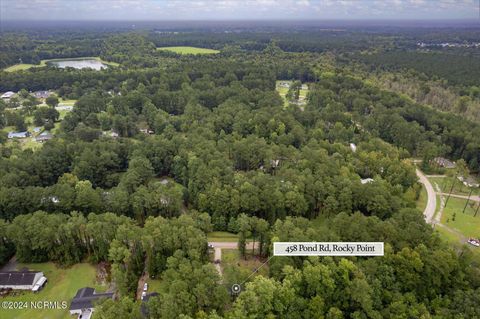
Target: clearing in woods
(189,50)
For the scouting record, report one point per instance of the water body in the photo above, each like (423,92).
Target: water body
(79,64)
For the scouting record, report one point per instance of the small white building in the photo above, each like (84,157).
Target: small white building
(22,280)
(366,180)
(18,134)
(7,95)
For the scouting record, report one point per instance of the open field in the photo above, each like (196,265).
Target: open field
(222,236)
(189,50)
(456,241)
(62,285)
(464,223)
(23,66)
(26,66)
(62,102)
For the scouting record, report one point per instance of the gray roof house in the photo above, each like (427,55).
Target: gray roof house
(143,306)
(84,301)
(44,136)
(41,94)
(18,134)
(22,280)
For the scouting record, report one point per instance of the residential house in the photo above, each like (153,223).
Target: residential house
(443,162)
(143,306)
(41,94)
(18,134)
(44,136)
(83,304)
(468,181)
(22,280)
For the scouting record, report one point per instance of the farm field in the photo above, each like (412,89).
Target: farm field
(62,285)
(189,50)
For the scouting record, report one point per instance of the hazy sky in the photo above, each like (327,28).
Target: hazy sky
(236,9)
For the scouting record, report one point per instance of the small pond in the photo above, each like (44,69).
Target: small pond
(79,64)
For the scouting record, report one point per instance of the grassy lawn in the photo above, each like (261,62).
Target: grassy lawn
(189,50)
(62,285)
(62,102)
(22,66)
(456,241)
(422,199)
(464,223)
(30,143)
(154,285)
(236,269)
(26,66)
(283,92)
(222,236)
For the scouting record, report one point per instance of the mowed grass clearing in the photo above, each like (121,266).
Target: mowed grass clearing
(222,236)
(237,269)
(62,285)
(455,241)
(189,50)
(464,223)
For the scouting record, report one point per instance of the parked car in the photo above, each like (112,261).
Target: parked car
(473,241)
(144,293)
(210,246)
(145,287)
(217,261)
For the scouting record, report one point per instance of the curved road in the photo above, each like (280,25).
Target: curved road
(429,211)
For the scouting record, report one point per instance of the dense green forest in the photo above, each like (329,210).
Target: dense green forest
(457,69)
(206,143)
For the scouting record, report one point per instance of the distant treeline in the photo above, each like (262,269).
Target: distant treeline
(457,69)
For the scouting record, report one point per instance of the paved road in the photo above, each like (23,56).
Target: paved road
(429,211)
(474,198)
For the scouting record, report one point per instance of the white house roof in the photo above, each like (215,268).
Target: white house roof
(8,95)
(366,180)
(39,283)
